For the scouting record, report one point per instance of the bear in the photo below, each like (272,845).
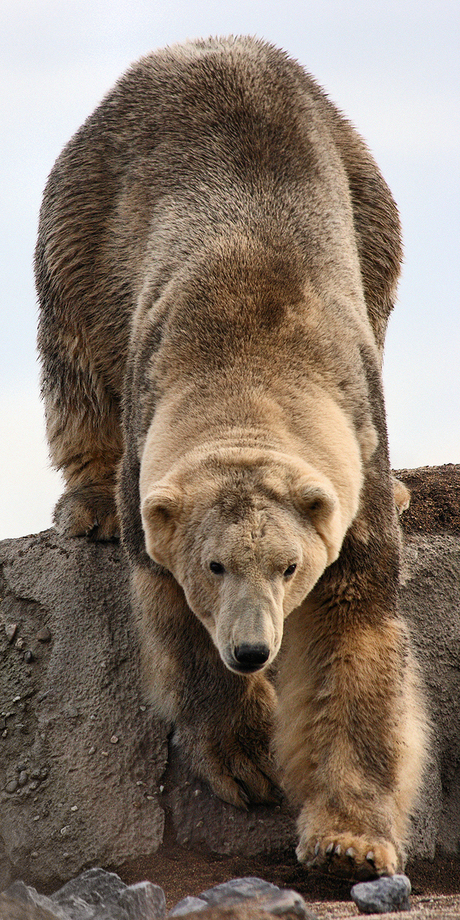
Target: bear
(217,260)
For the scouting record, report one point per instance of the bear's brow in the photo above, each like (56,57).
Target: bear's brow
(241,504)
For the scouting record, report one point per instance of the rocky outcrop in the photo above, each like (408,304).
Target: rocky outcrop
(81,758)
(85,774)
(100,895)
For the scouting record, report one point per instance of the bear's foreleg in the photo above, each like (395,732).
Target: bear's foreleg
(222,722)
(350,735)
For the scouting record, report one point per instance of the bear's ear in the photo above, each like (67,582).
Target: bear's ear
(321,506)
(160,513)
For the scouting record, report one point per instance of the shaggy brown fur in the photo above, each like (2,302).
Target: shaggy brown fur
(217,261)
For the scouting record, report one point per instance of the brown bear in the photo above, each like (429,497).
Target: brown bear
(216,263)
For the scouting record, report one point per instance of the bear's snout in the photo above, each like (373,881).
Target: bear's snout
(249,626)
(250,658)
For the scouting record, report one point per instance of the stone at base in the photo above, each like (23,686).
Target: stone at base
(386,894)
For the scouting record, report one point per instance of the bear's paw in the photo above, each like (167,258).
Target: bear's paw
(245,783)
(234,775)
(83,512)
(348,855)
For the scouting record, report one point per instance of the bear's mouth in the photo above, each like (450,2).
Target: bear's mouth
(246,669)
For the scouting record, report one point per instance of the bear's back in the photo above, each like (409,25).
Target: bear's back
(204,139)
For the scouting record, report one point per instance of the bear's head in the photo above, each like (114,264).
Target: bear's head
(247,534)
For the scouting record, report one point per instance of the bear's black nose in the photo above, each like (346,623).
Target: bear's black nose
(251,657)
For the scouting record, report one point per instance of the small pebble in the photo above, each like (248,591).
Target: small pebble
(29,656)
(12,786)
(20,643)
(114,739)
(43,634)
(383,895)
(23,777)
(10,629)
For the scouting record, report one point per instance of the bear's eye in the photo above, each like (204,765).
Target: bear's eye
(290,570)
(216,568)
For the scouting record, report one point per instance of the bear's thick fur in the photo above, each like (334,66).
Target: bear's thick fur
(217,261)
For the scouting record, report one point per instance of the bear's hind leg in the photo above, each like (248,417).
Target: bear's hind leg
(84,434)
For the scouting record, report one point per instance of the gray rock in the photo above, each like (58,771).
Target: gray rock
(238,889)
(95,887)
(23,900)
(386,894)
(143,901)
(261,894)
(94,895)
(100,895)
(187,906)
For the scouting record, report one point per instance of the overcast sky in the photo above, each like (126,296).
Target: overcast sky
(393,67)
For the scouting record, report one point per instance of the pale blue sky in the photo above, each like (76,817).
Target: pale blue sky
(394,69)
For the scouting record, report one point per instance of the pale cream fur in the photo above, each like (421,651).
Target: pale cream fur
(250,602)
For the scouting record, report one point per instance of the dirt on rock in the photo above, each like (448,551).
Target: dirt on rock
(435,499)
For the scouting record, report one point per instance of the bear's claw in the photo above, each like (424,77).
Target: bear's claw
(349,857)
(258,789)
(232,774)
(270,794)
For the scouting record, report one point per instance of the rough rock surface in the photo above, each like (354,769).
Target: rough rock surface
(81,759)
(85,777)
